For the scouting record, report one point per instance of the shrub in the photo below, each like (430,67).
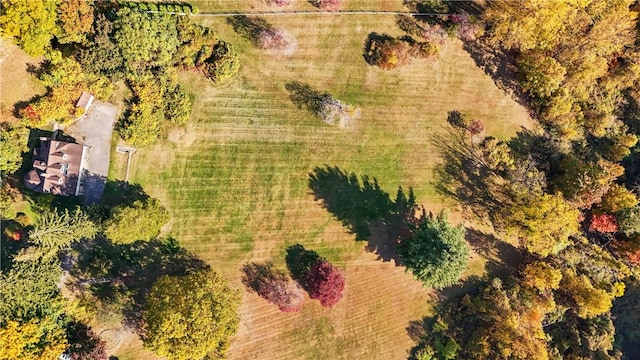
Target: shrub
(178,104)
(273,285)
(223,63)
(325,283)
(334,111)
(279,2)
(387,52)
(327,5)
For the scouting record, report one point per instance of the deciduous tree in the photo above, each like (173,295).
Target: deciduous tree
(325,283)
(13,142)
(191,316)
(35,339)
(273,285)
(141,220)
(618,198)
(31,23)
(75,19)
(603,223)
(435,252)
(542,223)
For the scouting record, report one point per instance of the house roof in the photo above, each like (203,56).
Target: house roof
(56,167)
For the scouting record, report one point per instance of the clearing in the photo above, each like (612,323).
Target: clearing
(236,177)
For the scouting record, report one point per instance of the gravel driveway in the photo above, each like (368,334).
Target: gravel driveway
(95,130)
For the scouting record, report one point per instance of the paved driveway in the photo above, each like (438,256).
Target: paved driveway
(95,130)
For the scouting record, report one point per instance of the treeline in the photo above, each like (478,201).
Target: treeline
(565,190)
(92,46)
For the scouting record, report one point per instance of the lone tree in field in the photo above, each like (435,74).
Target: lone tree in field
(323,105)
(191,316)
(435,252)
(387,52)
(325,283)
(273,285)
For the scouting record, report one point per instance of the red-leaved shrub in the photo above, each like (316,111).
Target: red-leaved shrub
(325,283)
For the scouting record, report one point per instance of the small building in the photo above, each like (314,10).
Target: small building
(85,101)
(57,168)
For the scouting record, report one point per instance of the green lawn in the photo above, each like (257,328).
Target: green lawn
(235,178)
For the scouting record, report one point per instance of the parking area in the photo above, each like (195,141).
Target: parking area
(95,129)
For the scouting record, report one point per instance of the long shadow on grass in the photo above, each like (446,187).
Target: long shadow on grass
(364,208)
(304,96)
(120,275)
(299,260)
(249,28)
(464,176)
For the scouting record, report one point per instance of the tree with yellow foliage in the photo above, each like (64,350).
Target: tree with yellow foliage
(191,316)
(618,198)
(542,223)
(31,23)
(36,339)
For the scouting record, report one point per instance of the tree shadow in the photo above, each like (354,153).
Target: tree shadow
(364,208)
(249,28)
(113,272)
(464,176)
(299,260)
(626,319)
(500,64)
(502,257)
(304,96)
(92,186)
(255,275)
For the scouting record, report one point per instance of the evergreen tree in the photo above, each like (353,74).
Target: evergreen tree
(435,252)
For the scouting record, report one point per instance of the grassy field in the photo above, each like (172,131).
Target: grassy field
(236,177)
(16,84)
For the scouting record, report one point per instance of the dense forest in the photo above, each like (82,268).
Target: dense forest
(566,191)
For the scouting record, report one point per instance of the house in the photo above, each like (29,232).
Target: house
(85,101)
(57,167)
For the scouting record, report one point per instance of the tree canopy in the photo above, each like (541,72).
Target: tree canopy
(13,142)
(191,316)
(435,252)
(31,23)
(145,216)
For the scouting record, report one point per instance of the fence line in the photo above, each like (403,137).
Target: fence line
(304,12)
